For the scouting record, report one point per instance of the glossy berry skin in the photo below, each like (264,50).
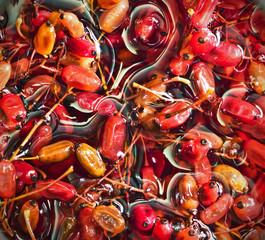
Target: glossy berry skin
(39,18)
(113,138)
(59,190)
(7,179)
(179,66)
(202,80)
(208,193)
(203,171)
(35,86)
(95,102)
(255,152)
(188,193)
(4,139)
(258,192)
(239,109)
(146,26)
(25,172)
(194,150)
(203,13)
(81,78)
(170,119)
(42,137)
(5,72)
(82,47)
(247,208)
(88,226)
(32,208)
(203,41)
(156,159)
(12,111)
(65,122)
(187,234)
(162,230)
(149,180)
(217,210)
(224,55)
(142,217)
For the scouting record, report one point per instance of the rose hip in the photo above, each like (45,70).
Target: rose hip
(59,190)
(232,176)
(255,152)
(146,25)
(12,111)
(82,47)
(208,193)
(5,73)
(110,219)
(180,66)
(256,72)
(194,150)
(156,159)
(30,209)
(81,78)
(199,131)
(187,234)
(112,18)
(224,55)
(95,102)
(217,210)
(247,208)
(40,17)
(36,86)
(71,22)
(202,171)
(90,160)
(113,138)
(56,152)
(44,40)
(142,217)
(203,13)
(162,229)
(258,192)
(42,137)
(7,179)
(88,226)
(239,109)
(19,68)
(202,79)
(171,120)
(149,180)
(25,172)
(188,193)
(203,41)
(107,4)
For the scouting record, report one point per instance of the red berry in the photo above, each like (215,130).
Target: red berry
(143,217)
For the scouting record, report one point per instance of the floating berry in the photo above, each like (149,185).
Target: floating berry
(81,78)
(7,179)
(142,217)
(208,193)
(82,47)
(12,111)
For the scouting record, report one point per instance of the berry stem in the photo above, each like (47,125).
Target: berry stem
(13,157)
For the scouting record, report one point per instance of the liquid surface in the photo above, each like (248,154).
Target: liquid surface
(157,113)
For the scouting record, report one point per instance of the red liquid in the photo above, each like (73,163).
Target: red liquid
(150,147)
